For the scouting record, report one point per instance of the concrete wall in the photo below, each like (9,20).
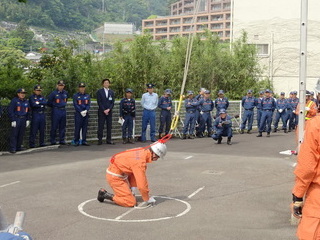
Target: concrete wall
(277,23)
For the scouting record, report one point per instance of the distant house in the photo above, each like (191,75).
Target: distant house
(34,57)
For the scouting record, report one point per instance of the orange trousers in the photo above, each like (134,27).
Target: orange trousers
(309,228)
(122,192)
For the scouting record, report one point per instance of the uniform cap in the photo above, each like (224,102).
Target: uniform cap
(308,93)
(21,90)
(312,92)
(37,88)
(267,91)
(291,92)
(261,92)
(294,92)
(282,93)
(189,93)
(168,91)
(129,90)
(249,91)
(221,92)
(202,89)
(207,91)
(222,111)
(61,83)
(150,85)
(82,85)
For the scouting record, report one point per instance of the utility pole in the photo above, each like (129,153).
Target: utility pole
(303,68)
(103,9)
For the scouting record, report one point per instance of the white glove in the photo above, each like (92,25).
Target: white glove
(307,108)
(151,201)
(13,124)
(84,113)
(201,112)
(27,123)
(280,110)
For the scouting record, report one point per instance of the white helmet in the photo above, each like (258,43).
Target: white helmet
(160,149)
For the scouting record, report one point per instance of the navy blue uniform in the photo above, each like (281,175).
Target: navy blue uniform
(206,107)
(198,118)
(259,110)
(293,119)
(57,101)
(268,106)
(128,113)
(248,103)
(189,122)
(38,123)
(222,127)
(281,107)
(19,113)
(105,101)
(81,102)
(221,103)
(165,114)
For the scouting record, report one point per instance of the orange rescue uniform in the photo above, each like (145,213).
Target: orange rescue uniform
(126,170)
(312,112)
(307,181)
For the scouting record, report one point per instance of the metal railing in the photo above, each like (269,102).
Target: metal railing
(5,124)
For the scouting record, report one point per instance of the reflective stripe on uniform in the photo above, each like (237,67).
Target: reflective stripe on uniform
(116,175)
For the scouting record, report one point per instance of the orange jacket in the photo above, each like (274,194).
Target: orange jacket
(312,112)
(308,168)
(133,163)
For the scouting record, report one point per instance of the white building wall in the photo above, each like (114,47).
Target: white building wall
(277,23)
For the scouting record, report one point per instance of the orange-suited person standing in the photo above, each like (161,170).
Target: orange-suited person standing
(307,183)
(127,171)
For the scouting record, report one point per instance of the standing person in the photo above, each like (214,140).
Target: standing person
(38,123)
(191,105)
(149,103)
(312,98)
(19,115)
(127,171)
(248,103)
(57,100)
(307,183)
(310,107)
(222,127)
(259,107)
(268,105)
(221,102)
(81,103)
(127,113)
(165,104)
(206,107)
(198,116)
(281,107)
(293,121)
(105,99)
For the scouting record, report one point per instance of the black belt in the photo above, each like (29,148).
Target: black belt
(149,109)
(59,108)
(206,111)
(17,116)
(248,109)
(165,110)
(40,112)
(190,111)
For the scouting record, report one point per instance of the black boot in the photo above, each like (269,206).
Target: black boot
(241,131)
(268,134)
(160,136)
(124,140)
(219,140)
(190,137)
(249,132)
(285,130)
(184,136)
(260,134)
(130,140)
(103,194)
(229,141)
(275,130)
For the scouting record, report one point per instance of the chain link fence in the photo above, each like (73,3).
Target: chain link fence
(5,124)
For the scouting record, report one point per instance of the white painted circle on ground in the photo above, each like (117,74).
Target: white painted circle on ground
(188,208)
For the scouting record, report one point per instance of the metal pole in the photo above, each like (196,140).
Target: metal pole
(231,24)
(303,68)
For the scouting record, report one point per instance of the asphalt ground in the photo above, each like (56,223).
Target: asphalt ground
(203,191)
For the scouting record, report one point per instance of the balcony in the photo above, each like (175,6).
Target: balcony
(175,29)
(202,19)
(217,18)
(175,22)
(217,26)
(161,31)
(187,20)
(162,23)
(148,24)
(188,29)
(202,27)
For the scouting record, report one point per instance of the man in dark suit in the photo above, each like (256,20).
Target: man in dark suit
(105,99)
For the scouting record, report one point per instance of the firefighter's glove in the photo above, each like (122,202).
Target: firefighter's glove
(297,205)
(27,123)
(307,108)
(83,113)
(13,124)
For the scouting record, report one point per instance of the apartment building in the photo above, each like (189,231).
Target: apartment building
(214,15)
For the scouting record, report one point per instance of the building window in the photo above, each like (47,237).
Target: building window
(262,49)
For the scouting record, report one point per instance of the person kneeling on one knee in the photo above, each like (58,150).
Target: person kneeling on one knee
(127,172)
(222,127)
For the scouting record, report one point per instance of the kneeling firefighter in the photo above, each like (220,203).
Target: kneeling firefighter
(127,171)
